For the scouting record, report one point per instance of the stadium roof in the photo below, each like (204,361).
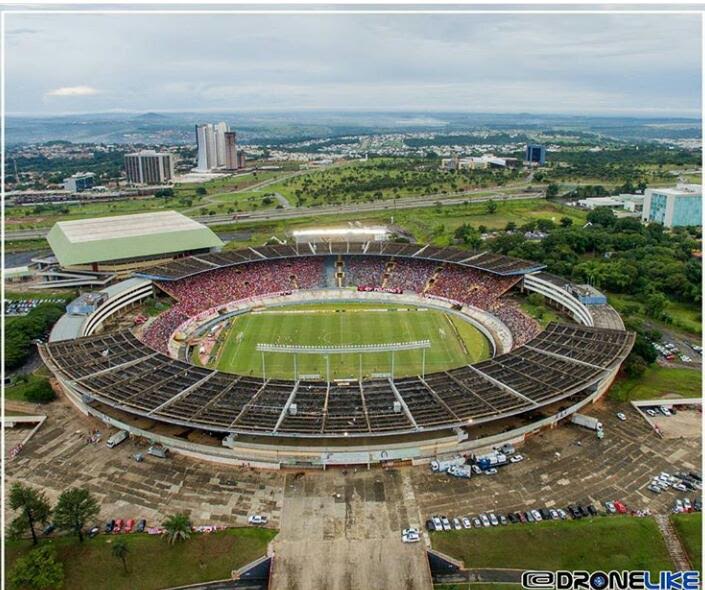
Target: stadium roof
(102,239)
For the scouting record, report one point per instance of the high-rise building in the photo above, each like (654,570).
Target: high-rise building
(149,167)
(230,143)
(217,147)
(673,207)
(536,154)
(80,181)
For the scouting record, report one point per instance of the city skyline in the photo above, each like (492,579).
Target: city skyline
(599,64)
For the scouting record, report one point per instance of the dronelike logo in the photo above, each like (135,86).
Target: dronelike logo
(625,580)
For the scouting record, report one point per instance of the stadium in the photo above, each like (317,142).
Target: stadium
(337,353)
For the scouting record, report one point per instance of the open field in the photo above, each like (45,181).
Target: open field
(151,562)
(690,531)
(657,382)
(603,543)
(453,341)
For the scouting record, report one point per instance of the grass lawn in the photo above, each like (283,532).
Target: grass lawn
(690,531)
(152,563)
(658,381)
(543,314)
(604,543)
(16,391)
(453,341)
(686,317)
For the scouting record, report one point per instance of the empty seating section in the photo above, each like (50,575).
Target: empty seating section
(116,368)
(597,346)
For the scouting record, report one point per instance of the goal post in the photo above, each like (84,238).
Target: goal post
(359,349)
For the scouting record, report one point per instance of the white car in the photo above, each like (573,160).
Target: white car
(491,471)
(410,538)
(651,413)
(516,459)
(537,515)
(456,524)
(466,523)
(663,476)
(493,519)
(554,514)
(686,504)
(411,530)
(485,521)
(476,470)
(562,513)
(446,523)
(437,524)
(680,487)
(257,519)
(621,416)
(678,507)
(665,411)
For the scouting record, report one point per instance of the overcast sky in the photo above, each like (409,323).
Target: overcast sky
(584,64)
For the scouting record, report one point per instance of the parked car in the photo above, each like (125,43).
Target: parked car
(493,519)
(93,531)
(678,506)
(687,505)
(655,489)
(554,514)
(456,524)
(529,516)
(583,510)
(412,536)
(141,525)
(485,520)
(477,523)
(118,525)
(503,519)
(621,416)
(591,509)
(516,459)
(562,513)
(129,525)
(522,517)
(446,523)
(109,526)
(513,518)
(491,471)
(621,508)
(545,514)
(610,507)
(680,487)
(466,523)
(651,413)
(537,515)
(257,519)
(437,524)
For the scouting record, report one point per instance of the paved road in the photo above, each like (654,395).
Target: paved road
(298,212)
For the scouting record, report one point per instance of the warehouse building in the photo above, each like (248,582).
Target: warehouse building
(126,243)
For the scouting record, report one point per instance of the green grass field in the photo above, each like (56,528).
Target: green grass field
(603,543)
(690,530)
(657,382)
(454,342)
(152,563)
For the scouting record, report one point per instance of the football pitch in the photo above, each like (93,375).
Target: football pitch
(454,342)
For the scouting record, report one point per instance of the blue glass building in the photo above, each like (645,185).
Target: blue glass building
(673,207)
(536,153)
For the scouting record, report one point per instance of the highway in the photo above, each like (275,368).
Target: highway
(299,212)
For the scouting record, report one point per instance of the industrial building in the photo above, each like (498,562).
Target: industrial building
(535,154)
(125,243)
(674,207)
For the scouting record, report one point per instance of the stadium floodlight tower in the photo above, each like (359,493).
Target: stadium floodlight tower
(358,349)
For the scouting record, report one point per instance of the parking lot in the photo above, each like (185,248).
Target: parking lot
(342,528)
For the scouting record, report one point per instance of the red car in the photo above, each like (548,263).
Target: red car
(621,508)
(118,526)
(129,525)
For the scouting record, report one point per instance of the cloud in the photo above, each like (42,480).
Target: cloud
(73,91)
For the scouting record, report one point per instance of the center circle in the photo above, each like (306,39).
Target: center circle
(231,345)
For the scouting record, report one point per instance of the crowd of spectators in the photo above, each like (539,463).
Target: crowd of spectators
(410,275)
(364,271)
(156,335)
(470,286)
(522,327)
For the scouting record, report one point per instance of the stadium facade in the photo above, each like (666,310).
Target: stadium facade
(145,384)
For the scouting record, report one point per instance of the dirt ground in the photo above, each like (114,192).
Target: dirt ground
(340,529)
(685,424)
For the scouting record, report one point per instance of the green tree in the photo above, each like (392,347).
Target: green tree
(177,527)
(201,190)
(75,507)
(566,221)
(120,551)
(38,570)
(40,392)
(34,507)
(603,216)
(552,191)
(655,305)
(491,207)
